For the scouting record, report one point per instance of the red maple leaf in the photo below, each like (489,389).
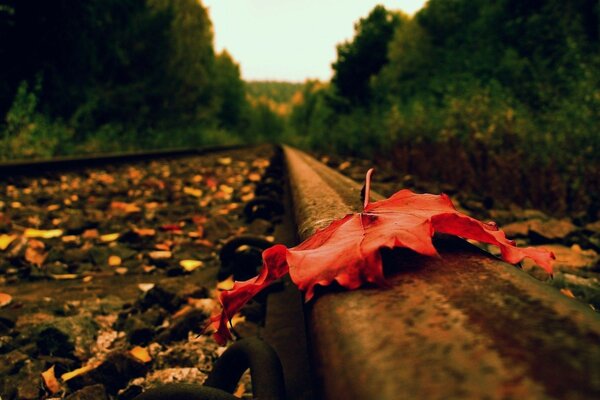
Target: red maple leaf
(347,251)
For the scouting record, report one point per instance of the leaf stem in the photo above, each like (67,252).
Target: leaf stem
(368,187)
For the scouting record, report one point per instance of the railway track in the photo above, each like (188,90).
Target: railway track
(464,326)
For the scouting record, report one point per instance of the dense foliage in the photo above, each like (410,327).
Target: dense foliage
(501,97)
(101,75)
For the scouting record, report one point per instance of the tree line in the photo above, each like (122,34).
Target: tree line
(101,75)
(501,97)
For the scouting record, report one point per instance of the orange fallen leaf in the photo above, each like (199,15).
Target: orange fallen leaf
(63,277)
(109,237)
(226,189)
(90,234)
(145,231)
(121,270)
(254,177)
(160,255)
(224,161)
(69,238)
(44,234)
(53,207)
(567,292)
(51,384)
(190,265)
(227,284)
(125,207)
(79,371)
(5,299)
(35,254)
(192,192)
(6,240)
(144,287)
(114,261)
(141,354)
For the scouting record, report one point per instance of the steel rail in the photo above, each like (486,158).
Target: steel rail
(462,326)
(34,167)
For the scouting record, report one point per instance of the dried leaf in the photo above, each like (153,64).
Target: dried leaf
(192,191)
(145,231)
(90,234)
(144,287)
(160,255)
(109,237)
(190,265)
(254,177)
(224,161)
(79,371)
(567,292)
(5,299)
(64,277)
(43,234)
(141,353)
(70,238)
(227,284)
(171,228)
(35,254)
(114,261)
(51,384)
(127,208)
(6,240)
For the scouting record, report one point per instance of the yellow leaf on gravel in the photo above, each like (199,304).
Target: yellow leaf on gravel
(192,192)
(226,189)
(145,231)
(114,261)
(141,354)
(224,161)
(127,208)
(70,375)
(144,287)
(190,265)
(6,240)
(109,237)
(254,177)
(37,233)
(227,284)
(69,238)
(567,292)
(50,381)
(5,299)
(35,253)
(160,255)
(64,277)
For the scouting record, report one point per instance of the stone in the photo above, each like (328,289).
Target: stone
(138,331)
(568,258)
(161,296)
(12,362)
(191,321)
(519,229)
(54,342)
(114,373)
(551,230)
(93,392)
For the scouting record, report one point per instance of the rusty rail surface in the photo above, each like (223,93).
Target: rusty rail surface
(465,326)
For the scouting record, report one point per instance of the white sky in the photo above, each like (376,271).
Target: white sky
(290,40)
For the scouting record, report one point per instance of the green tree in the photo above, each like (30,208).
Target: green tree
(363,57)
